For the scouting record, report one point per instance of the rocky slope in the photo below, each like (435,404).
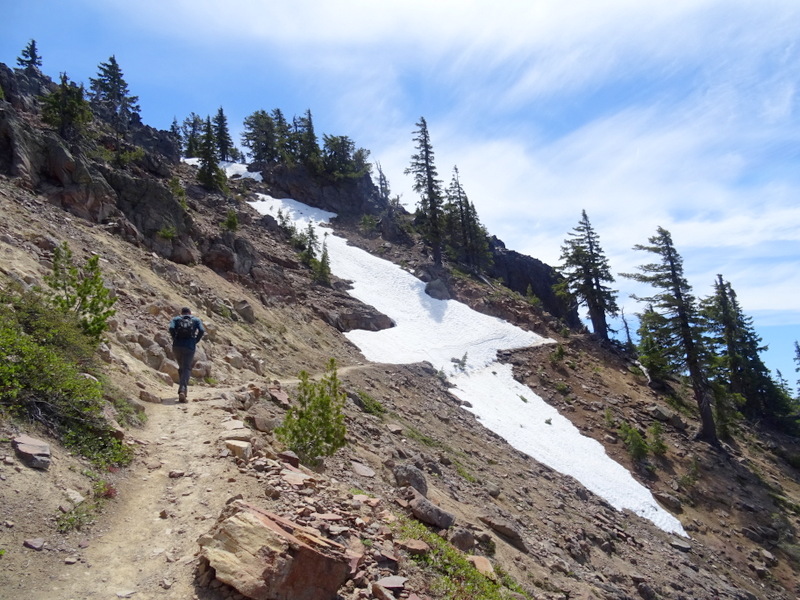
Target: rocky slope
(209,477)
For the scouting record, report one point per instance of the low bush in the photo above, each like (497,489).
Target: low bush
(46,364)
(314,427)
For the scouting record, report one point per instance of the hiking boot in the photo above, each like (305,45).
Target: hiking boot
(182,397)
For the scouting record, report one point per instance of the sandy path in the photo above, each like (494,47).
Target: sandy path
(133,550)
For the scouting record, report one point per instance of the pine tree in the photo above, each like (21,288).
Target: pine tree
(428,185)
(222,136)
(341,159)
(464,236)
(111,99)
(797,362)
(736,363)
(192,129)
(260,137)
(679,331)
(586,271)
(384,191)
(29,58)
(306,146)
(67,109)
(209,174)
(175,131)
(284,143)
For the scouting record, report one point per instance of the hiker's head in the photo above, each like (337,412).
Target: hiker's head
(186,310)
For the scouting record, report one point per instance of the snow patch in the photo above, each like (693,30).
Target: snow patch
(439,331)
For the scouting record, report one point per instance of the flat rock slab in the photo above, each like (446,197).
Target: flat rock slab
(361,469)
(34,453)
(506,530)
(393,582)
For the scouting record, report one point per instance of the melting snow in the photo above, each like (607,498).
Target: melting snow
(438,331)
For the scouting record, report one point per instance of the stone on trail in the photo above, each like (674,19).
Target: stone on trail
(266,557)
(362,469)
(146,396)
(33,452)
(240,449)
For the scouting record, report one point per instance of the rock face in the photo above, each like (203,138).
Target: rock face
(519,272)
(266,557)
(354,196)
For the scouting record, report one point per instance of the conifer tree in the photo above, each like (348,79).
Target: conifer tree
(222,136)
(283,138)
(67,109)
(797,362)
(428,185)
(175,131)
(384,191)
(586,273)
(260,137)
(341,159)
(465,237)
(306,145)
(192,129)
(111,99)
(111,96)
(679,331)
(209,174)
(29,58)
(736,363)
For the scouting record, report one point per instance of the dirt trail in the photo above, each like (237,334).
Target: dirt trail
(144,543)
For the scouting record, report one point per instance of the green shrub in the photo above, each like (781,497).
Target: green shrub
(633,441)
(168,232)
(178,192)
(368,223)
(455,577)
(370,405)
(231,222)
(557,355)
(315,427)
(45,360)
(655,435)
(81,291)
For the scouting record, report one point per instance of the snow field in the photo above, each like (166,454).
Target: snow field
(438,331)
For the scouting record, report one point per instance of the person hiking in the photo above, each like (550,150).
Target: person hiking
(185,330)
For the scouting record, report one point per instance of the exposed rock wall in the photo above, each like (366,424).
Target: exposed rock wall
(518,272)
(345,197)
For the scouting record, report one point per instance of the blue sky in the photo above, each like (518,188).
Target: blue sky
(681,114)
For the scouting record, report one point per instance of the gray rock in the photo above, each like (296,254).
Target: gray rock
(505,529)
(462,539)
(33,452)
(412,476)
(427,512)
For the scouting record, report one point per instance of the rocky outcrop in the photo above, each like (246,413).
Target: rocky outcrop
(43,162)
(266,557)
(148,205)
(523,273)
(345,197)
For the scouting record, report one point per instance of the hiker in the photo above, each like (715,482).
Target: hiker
(186,330)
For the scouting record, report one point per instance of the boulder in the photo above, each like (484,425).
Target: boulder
(427,512)
(266,557)
(506,530)
(409,475)
(33,452)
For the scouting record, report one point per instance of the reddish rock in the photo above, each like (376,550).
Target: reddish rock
(267,557)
